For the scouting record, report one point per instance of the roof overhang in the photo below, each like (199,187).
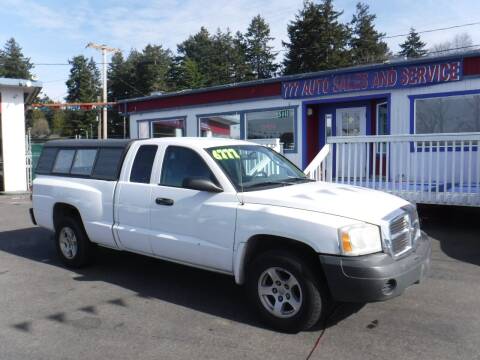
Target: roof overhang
(30,88)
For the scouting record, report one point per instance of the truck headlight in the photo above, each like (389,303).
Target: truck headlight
(360,239)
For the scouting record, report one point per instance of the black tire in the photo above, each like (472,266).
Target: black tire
(84,247)
(313,295)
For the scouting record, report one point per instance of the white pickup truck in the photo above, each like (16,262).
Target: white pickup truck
(233,207)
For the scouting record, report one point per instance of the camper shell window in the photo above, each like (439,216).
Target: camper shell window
(96,159)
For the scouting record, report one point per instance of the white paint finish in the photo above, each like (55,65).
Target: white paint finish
(334,199)
(13,137)
(199,228)
(208,230)
(132,216)
(92,198)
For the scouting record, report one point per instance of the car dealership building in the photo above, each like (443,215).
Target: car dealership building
(430,95)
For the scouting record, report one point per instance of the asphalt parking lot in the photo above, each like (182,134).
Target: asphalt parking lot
(132,307)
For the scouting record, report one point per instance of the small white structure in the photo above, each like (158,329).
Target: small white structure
(14,94)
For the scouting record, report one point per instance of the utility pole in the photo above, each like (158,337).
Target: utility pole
(104,49)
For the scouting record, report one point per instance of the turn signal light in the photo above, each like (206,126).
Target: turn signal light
(346,244)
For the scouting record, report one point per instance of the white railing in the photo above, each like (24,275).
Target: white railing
(426,168)
(317,169)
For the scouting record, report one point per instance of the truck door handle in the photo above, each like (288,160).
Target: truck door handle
(164,201)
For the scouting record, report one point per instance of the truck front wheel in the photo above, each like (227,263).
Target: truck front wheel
(72,243)
(284,291)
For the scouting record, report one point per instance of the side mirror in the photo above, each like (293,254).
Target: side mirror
(201,184)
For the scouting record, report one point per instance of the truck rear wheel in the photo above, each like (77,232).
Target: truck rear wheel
(72,243)
(284,291)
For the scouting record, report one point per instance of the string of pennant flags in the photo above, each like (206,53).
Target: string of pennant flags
(74,106)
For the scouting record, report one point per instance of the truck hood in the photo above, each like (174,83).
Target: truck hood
(336,199)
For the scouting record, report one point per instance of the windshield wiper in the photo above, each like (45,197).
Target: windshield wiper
(267,183)
(295,179)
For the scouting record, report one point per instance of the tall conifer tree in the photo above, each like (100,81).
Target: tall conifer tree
(366,44)
(13,64)
(413,46)
(317,40)
(258,51)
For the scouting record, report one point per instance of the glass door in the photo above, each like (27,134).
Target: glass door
(351,122)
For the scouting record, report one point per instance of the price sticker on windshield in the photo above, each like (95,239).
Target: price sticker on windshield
(225,154)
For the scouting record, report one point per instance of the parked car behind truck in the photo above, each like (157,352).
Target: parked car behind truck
(232,207)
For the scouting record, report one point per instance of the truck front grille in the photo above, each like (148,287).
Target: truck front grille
(401,234)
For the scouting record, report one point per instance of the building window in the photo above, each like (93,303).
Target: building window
(382,119)
(447,114)
(272,124)
(222,126)
(168,128)
(143,130)
(381,125)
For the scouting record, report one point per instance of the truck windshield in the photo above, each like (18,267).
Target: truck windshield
(255,167)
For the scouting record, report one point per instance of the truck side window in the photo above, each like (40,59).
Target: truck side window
(108,163)
(63,161)
(143,163)
(180,163)
(46,161)
(83,163)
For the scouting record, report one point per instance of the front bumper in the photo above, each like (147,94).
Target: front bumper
(375,277)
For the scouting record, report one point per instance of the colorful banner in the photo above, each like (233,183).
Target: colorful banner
(382,79)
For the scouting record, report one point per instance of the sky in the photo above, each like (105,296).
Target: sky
(53,31)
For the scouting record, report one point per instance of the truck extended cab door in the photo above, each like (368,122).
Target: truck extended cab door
(132,201)
(191,226)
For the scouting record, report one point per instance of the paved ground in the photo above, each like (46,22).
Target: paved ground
(133,307)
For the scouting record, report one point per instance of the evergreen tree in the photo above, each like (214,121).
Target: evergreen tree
(13,64)
(83,84)
(366,44)
(197,48)
(121,77)
(258,53)
(318,41)
(185,74)
(413,47)
(151,69)
(220,58)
